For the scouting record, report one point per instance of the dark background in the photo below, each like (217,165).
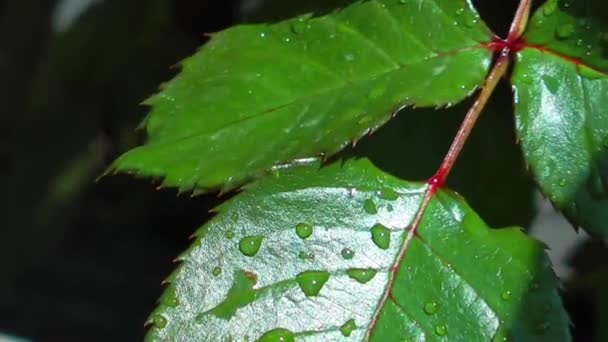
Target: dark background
(82,260)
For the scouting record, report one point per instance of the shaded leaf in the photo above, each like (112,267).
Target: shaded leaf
(329,284)
(561,85)
(257,95)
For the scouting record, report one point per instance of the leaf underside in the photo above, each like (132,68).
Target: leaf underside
(561,87)
(258,95)
(306,254)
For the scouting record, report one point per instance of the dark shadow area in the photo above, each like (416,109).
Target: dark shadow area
(82,260)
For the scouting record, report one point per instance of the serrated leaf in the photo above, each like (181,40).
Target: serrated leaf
(561,85)
(258,95)
(459,280)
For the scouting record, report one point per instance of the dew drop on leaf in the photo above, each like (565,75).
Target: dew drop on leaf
(381,236)
(431,308)
(506,295)
(564,31)
(389,194)
(347,328)
(370,207)
(250,245)
(441,330)
(403,2)
(278,335)
(216,271)
(229,234)
(311,282)
(362,275)
(159,321)
(298,26)
(304,230)
(347,253)
(551,83)
(549,8)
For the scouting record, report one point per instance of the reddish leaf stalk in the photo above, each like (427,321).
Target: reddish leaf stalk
(505,48)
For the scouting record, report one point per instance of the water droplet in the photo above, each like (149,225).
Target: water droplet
(278,335)
(506,295)
(549,8)
(370,207)
(216,271)
(470,20)
(306,256)
(347,328)
(389,194)
(304,230)
(349,57)
(362,275)
(563,182)
(250,245)
(229,234)
(298,26)
(403,2)
(431,308)
(159,320)
(541,328)
(311,282)
(286,39)
(551,83)
(459,11)
(381,236)
(347,253)
(564,31)
(376,92)
(441,330)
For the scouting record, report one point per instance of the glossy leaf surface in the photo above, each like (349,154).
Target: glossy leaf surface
(258,95)
(307,253)
(561,85)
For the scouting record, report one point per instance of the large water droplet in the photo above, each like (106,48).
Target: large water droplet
(431,308)
(159,320)
(311,282)
(298,26)
(389,194)
(216,271)
(278,335)
(551,83)
(441,330)
(362,275)
(370,207)
(347,253)
(304,230)
(250,245)
(549,8)
(564,31)
(347,328)
(381,236)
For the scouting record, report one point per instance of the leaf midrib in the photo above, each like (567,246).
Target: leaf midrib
(318,94)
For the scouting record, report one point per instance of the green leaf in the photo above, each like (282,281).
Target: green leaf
(561,89)
(459,279)
(258,95)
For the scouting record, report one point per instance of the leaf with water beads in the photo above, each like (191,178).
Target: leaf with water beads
(273,293)
(259,95)
(561,87)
